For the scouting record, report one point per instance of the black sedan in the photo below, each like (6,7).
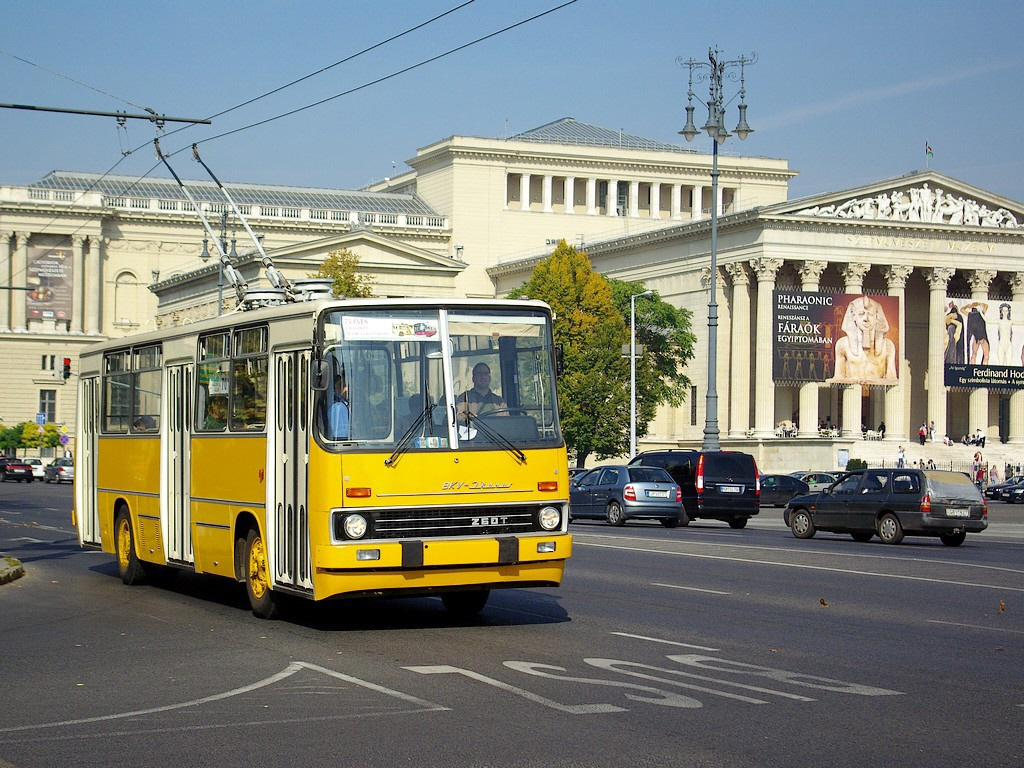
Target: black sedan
(15,469)
(777,490)
(620,493)
(999,490)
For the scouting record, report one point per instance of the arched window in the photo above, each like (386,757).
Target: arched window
(126,300)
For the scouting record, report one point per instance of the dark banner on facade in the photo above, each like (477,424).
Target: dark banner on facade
(840,338)
(984,344)
(49,279)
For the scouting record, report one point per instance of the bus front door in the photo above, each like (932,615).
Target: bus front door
(86,511)
(288,454)
(176,416)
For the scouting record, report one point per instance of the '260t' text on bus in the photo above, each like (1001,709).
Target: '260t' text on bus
(331,448)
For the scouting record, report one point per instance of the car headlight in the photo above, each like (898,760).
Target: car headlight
(354,526)
(549,518)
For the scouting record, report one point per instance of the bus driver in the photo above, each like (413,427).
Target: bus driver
(480,400)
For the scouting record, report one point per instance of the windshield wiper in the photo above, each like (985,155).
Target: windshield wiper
(403,443)
(494,436)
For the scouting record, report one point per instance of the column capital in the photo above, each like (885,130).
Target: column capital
(766,268)
(1016,283)
(896,275)
(22,238)
(853,273)
(938,277)
(979,279)
(739,274)
(705,278)
(77,241)
(6,234)
(810,271)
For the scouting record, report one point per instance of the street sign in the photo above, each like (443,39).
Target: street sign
(40,419)
(63,439)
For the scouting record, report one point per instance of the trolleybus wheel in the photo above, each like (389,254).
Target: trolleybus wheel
(462,605)
(128,565)
(257,577)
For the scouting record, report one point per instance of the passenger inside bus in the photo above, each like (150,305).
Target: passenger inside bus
(337,413)
(216,412)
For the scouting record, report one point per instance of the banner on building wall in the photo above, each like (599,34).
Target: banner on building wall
(984,344)
(837,338)
(49,280)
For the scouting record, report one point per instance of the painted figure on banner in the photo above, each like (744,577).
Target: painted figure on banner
(977,333)
(954,354)
(865,354)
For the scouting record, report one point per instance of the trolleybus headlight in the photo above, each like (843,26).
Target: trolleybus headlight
(355,526)
(549,518)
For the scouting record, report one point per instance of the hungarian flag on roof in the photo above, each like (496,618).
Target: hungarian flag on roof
(928,149)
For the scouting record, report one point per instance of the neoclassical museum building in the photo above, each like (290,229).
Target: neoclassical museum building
(899,302)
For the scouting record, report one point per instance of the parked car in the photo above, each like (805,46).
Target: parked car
(15,469)
(816,481)
(37,468)
(892,503)
(720,485)
(1001,490)
(60,471)
(577,471)
(1013,494)
(776,490)
(619,493)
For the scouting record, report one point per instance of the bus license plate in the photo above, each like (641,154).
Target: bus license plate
(730,489)
(958,512)
(657,494)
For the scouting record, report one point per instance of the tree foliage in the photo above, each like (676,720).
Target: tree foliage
(591,327)
(342,267)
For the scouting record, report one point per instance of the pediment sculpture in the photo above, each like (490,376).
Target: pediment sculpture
(923,204)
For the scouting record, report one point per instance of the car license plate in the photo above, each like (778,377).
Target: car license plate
(730,489)
(957,512)
(657,494)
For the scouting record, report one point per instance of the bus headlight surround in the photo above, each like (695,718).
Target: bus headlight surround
(355,526)
(549,518)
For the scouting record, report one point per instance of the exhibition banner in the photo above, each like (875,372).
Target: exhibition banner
(838,338)
(984,344)
(49,279)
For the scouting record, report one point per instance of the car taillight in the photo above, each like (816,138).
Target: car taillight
(984,508)
(700,475)
(757,481)
(926,505)
(629,493)
(679,495)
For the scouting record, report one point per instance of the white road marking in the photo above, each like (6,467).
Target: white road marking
(667,642)
(974,626)
(689,589)
(852,571)
(573,709)
(285,673)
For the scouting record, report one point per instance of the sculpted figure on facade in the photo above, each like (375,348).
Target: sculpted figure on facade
(922,204)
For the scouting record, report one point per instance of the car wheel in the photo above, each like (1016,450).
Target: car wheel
(257,577)
(128,565)
(684,518)
(670,522)
(890,530)
(463,605)
(801,524)
(953,539)
(738,523)
(862,536)
(613,514)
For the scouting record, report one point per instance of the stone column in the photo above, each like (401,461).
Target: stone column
(697,201)
(718,200)
(633,199)
(93,286)
(853,277)
(77,284)
(764,388)
(524,191)
(569,193)
(19,271)
(611,200)
(545,193)
(655,200)
(739,346)
(977,399)
(677,201)
(810,277)
(592,197)
(5,278)
(897,425)
(1016,435)
(938,279)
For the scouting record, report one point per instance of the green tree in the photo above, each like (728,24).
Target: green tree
(10,438)
(665,333)
(342,266)
(594,387)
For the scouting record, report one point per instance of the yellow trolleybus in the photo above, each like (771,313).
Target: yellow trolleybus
(331,448)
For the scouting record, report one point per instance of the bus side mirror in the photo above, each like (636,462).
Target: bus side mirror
(319,375)
(559,365)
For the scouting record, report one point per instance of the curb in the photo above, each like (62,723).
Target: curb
(10,569)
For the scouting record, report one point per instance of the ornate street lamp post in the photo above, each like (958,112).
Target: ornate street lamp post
(715,71)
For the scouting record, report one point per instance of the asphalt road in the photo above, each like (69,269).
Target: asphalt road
(700,646)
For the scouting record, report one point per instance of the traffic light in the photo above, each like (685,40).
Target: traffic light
(67,367)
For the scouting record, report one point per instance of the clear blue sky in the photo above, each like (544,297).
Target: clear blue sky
(848,93)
